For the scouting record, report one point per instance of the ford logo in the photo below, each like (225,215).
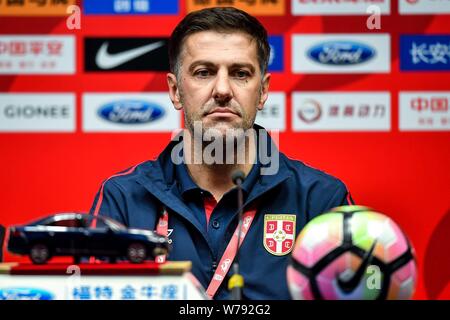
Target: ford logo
(25,294)
(131,111)
(341,53)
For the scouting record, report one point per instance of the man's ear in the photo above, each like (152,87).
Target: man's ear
(264,91)
(174,91)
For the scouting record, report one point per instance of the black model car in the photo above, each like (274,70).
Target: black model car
(82,235)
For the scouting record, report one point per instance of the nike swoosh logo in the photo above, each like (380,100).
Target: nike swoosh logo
(105,60)
(350,285)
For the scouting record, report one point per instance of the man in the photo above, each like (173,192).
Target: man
(219,79)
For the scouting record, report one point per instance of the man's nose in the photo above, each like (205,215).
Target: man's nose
(222,91)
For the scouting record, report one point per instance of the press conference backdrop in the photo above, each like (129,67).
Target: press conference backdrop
(369,105)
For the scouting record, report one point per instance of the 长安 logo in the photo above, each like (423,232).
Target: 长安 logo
(131,111)
(425,52)
(341,53)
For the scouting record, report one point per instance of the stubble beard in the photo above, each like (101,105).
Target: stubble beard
(234,135)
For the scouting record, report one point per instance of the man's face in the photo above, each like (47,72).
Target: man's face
(219,81)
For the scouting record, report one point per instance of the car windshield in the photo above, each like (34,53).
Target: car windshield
(63,219)
(102,222)
(79,220)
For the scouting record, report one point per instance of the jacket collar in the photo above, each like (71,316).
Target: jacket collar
(160,180)
(187,185)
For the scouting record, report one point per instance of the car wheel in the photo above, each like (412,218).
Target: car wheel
(39,253)
(136,252)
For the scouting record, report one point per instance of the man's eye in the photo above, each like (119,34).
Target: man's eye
(202,73)
(241,74)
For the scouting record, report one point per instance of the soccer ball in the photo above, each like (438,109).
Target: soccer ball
(352,253)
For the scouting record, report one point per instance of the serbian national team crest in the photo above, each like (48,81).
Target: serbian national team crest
(279,233)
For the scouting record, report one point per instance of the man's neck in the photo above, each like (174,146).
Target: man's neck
(216,178)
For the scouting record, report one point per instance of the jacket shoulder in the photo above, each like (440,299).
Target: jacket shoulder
(130,175)
(308,175)
(123,199)
(318,191)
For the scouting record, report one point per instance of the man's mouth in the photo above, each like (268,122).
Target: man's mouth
(222,111)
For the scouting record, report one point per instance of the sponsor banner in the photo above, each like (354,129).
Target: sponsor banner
(155,7)
(341,111)
(35,7)
(424,111)
(273,116)
(36,112)
(338,7)
(424,52)
(341,53)
(254,7)
(76,287)
(276,59)
(37,54)
(129,112)
(424,6)
(126,54)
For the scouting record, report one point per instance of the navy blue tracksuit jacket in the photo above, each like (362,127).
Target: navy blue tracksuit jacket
(135,197)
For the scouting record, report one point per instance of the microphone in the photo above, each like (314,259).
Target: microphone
(236,282)
(238,177)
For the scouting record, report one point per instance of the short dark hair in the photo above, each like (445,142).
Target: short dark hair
(220,19)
